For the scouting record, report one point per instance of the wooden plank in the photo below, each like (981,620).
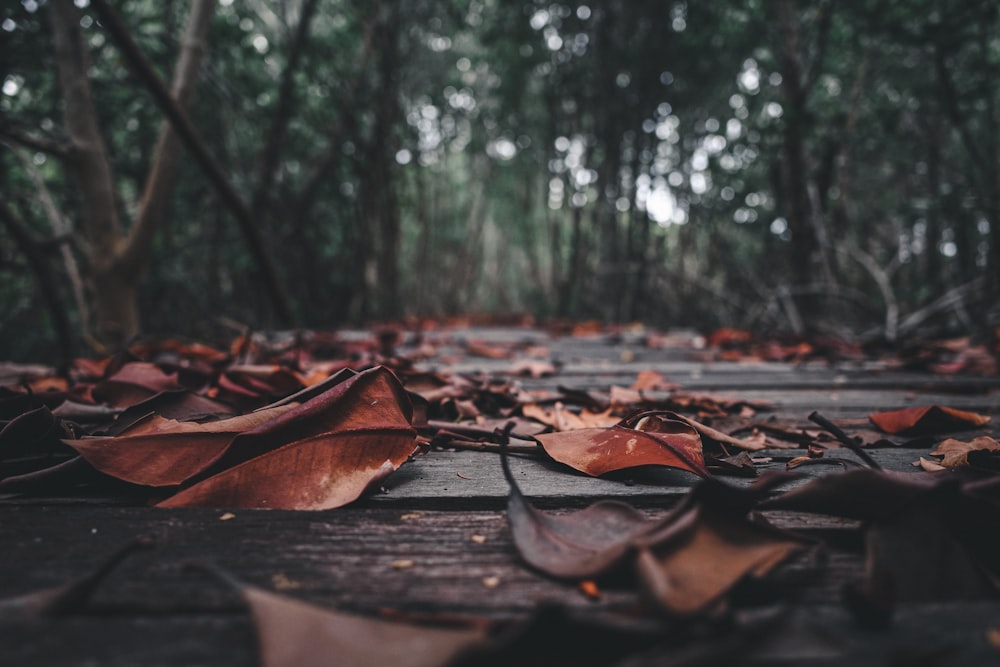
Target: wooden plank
(474,479)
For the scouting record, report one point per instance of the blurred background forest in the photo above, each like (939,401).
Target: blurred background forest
(179,166)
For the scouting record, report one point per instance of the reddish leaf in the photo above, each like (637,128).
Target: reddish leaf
(578,545)
(134,382)
(319,455)
(655,440)
(927,419)
(292,633)
(166,452)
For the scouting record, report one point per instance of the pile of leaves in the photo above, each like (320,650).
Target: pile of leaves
(314,424)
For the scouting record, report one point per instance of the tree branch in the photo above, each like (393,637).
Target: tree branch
(271,153)
(163,170)
(193,142)
(12,135)
(26,241)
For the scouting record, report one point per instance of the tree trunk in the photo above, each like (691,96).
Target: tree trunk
(116,319)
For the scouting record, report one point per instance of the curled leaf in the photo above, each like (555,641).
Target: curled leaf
(322,454)
(655,439)
(292,633)
(579,545)
(955,453)
(689,565)
(166,452)
(927,419)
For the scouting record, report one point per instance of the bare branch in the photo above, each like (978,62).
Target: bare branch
(15,136)
(193,142)
(163,170)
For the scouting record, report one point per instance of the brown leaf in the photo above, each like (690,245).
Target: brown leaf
(134,382)
(927,419)
(292,633)
(649,380)
(579,545)
(655,440)
(956,452)
(322,454)
(709,545)
(929,537)
(166,452)
(535,368)
(562,419)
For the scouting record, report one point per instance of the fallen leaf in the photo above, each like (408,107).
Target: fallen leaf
(651,381)
(535,368)
(319,455)
(654,440)
(291,633)
(577,545)
(134,382)
(708,545)
(929,537)
(562,419)
(926,419)
(955,453)
(166,452)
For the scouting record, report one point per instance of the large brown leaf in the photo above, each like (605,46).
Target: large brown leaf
(322,454)
(577,545)
(658,439)
(690,564)
(927,419)
(166,452)
(929,537)
(291,633)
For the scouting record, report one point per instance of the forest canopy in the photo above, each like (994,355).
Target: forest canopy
(186,166)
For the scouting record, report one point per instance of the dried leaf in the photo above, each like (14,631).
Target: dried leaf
(292,633)
(134,382)
(927,419)
(579,545)
(166,452)
(929,537)
(562,419)
(322,454)
(956,452)
(655,440)
(708,545)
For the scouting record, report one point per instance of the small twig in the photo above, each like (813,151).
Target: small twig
(434,425)
(844,439)
(477,446)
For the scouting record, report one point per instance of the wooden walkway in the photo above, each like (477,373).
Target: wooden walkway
(435,542)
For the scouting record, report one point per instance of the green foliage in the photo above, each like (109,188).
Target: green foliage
(623,160)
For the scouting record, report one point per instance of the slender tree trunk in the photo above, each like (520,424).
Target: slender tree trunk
(115,308)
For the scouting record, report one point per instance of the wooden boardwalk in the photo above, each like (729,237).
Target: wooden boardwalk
(435,542)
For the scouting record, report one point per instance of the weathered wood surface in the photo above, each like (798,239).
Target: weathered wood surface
(434,540)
